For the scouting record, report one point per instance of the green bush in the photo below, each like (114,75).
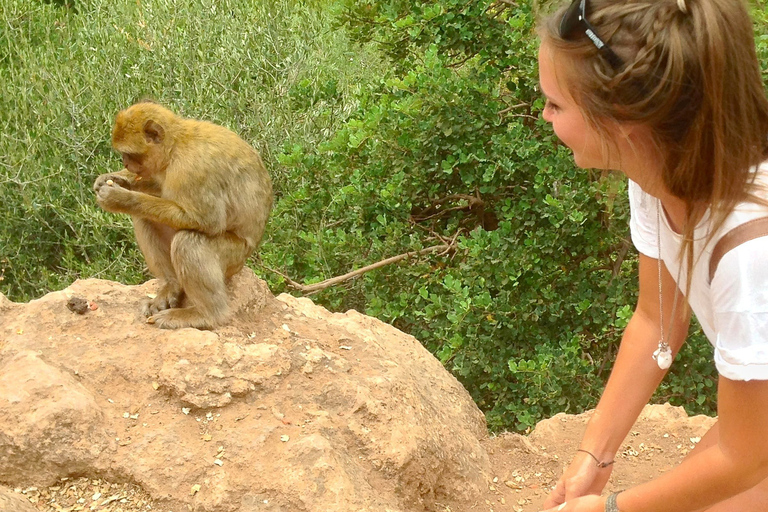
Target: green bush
(525,308)
(528,310)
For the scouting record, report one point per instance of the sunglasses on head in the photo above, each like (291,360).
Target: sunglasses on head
(574,22)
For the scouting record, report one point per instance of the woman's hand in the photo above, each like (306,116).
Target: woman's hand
(582,477)
(589,503)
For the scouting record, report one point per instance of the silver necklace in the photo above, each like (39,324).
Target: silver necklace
(663,354)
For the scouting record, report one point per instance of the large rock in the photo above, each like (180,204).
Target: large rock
(13,502)
(50,423)
(288,407)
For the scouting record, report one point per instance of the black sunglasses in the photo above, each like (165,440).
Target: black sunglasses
(575,22)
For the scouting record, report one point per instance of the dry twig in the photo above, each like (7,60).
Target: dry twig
(313,288)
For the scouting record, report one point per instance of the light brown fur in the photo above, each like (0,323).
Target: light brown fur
(199,197)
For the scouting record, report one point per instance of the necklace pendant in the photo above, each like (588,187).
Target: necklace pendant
(663,356)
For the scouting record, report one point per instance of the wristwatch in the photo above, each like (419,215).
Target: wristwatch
(610,503)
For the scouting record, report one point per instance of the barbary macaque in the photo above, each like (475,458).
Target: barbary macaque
(199,198)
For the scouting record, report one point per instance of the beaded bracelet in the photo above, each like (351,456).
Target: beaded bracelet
(610,503)
(600,463)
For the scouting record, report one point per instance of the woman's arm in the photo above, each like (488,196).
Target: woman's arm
(634,378)
(736,463)
(635,374)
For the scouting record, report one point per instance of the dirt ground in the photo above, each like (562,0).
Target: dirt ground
(526,467)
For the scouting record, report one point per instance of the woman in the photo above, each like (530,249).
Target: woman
(669,92)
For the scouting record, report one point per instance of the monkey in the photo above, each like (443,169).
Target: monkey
(199,198)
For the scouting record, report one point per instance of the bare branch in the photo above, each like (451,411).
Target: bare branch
(467,197)
(462,61)
(441,213)
(510,108)
(433,210)
(313,288)
(526,116)
(500,6)
(625,245)
(291,282)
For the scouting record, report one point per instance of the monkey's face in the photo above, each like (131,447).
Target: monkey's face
(134,163)
(145,164)
(139,136)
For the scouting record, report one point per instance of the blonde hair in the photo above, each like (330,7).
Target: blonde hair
(692,76)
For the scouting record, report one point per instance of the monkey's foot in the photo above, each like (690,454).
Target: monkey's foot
(178,318)
(168,297)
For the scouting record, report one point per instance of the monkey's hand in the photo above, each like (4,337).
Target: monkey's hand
(111,179)
(114,198)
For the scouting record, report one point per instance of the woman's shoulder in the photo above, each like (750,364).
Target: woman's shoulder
(746,212)
(755,205)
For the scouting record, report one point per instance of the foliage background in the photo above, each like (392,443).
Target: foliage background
(388,126)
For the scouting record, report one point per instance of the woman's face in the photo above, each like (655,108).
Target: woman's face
(630,149)
(566,117)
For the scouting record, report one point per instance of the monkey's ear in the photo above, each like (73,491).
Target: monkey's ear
(153,132)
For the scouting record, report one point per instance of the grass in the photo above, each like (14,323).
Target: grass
(274,71)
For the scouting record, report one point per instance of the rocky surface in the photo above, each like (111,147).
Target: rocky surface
(288,407)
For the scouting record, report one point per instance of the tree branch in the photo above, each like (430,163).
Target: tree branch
(313,288)
(434,209)
(510,108)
